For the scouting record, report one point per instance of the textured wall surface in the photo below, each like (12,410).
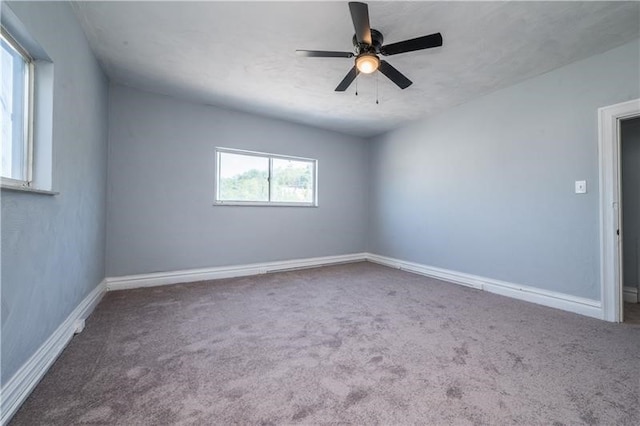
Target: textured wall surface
(53,246)
(487,188)
(631,201)
(160,198)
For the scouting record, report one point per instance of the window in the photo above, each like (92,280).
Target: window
(255,178)
(16,112)
(26,109)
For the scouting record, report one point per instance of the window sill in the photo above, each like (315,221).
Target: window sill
(258,204)
(18,188)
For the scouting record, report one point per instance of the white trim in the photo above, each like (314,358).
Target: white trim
(566,302)
(630,294)
(262,154)
(18,388)
(30,119)
(429,271)
(263,204)
(203,274)
(610,242)
(22,186)
(553,299)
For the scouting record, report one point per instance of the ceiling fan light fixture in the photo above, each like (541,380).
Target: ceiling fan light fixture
(368,44)
(367,63)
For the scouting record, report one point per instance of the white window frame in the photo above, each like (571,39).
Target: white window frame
(270,157)
(29,113)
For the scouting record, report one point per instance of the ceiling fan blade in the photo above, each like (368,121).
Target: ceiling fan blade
(394,75)
(419,43)
(347,80)
(323,54)
(360,18)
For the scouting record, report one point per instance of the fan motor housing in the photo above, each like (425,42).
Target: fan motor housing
(376,43)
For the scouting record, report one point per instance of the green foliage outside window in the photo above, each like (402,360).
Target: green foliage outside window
(292,181)
(252,185)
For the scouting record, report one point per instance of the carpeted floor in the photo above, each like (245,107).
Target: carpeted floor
(349,344)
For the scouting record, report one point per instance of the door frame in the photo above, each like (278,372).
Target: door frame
(609,141)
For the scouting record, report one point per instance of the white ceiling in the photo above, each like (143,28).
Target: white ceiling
(241,54)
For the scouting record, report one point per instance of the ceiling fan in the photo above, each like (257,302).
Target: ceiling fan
(367,44)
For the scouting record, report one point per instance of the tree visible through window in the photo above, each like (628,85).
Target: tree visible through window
(258,178)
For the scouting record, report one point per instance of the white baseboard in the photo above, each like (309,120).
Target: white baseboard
(202,274)
(566,302)
(630,294)
(18,388)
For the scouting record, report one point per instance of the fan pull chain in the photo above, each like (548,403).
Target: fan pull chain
(377,74)
(356,85)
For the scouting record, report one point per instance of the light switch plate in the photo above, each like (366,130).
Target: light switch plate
(581,187)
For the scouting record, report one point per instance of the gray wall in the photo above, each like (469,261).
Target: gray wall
(161,169)
(53,246)
(631,201)
(487,188)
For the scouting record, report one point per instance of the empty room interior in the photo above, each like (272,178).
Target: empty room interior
(320,213)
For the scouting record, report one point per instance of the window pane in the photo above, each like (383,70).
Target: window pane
(292,181)
(243,177)
(12,112)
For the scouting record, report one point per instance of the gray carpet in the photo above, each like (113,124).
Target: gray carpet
(348,344)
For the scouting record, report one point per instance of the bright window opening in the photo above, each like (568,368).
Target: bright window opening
(254,178)
(15,111)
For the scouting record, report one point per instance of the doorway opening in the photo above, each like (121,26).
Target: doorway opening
(612,120)
(630,210)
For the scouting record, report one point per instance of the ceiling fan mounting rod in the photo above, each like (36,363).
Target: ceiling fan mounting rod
(376,43)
